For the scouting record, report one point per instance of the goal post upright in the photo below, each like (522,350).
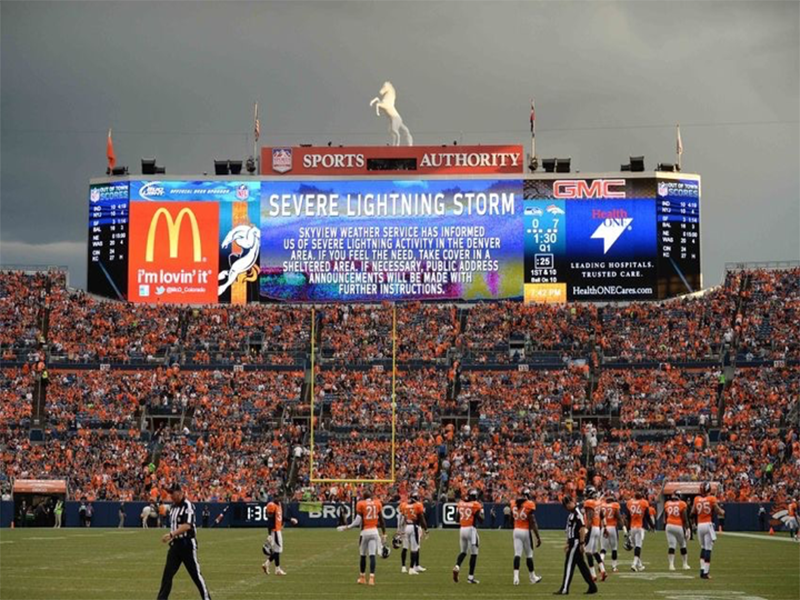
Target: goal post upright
(313,381)
(394,384)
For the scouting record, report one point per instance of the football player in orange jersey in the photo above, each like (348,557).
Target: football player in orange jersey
(369,517)
(610,540)
(273,547)
(411,518)
(704,509)
(470,513)
(791,522)
(639,511)
(594,521)
(523,510)
(676,528)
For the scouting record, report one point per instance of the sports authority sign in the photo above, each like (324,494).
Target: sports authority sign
(392,160)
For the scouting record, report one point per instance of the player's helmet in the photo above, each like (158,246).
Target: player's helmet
(705,488)
(525,493)
(591,492)
(628,545)
(472,495)
(385,551)
(267,549)
(415,496)
(397,541)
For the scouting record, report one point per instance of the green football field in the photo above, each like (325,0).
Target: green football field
(321,564)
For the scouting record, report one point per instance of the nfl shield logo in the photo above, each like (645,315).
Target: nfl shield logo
(242,193)
(663,189)
(281,160)
(94,195)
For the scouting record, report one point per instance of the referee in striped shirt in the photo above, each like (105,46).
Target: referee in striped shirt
(182,540)
(576,536)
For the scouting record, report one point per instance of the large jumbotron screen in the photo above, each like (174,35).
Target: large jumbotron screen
(547,238)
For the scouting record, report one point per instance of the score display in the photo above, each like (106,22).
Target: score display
(611,239)
(617,237)
(107,270)
(678,214)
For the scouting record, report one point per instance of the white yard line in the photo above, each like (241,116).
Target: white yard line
(753,536)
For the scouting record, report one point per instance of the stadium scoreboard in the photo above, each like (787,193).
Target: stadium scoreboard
(448,225)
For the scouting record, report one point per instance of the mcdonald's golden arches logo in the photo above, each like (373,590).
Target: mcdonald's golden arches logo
(174,233)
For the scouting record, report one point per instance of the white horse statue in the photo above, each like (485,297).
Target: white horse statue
(248,237)
(385,101)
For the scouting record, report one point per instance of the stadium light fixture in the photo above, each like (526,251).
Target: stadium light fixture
(220,167)
(117,171)
(563,165)
(160,170)
(148,166)
(637,164)
(666,167)
(549,165)
(235,167)
(625,167)
(250,165)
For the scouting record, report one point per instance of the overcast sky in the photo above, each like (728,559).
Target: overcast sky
(177,80)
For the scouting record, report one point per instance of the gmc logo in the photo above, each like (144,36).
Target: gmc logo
(580,188)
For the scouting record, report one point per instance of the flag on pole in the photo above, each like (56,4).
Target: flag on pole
(679,144)
(257,124)
(112,158)
(533,119)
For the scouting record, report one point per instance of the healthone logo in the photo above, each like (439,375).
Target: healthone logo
(174,233)
(614,223)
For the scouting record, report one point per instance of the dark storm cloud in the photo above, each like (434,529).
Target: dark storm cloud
(177,81)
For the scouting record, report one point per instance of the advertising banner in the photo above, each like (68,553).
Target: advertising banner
(392,160)
(173,255)
(194,191)
(591,240)
(391,240)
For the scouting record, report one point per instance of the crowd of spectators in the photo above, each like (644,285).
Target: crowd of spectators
(519,404)
(657,398)
(16,395)
(679,330)
(769,315)
(426,331)
(229,432)
(22,296)
(356,333)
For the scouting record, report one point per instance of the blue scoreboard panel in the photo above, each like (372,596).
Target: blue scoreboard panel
(611,239)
